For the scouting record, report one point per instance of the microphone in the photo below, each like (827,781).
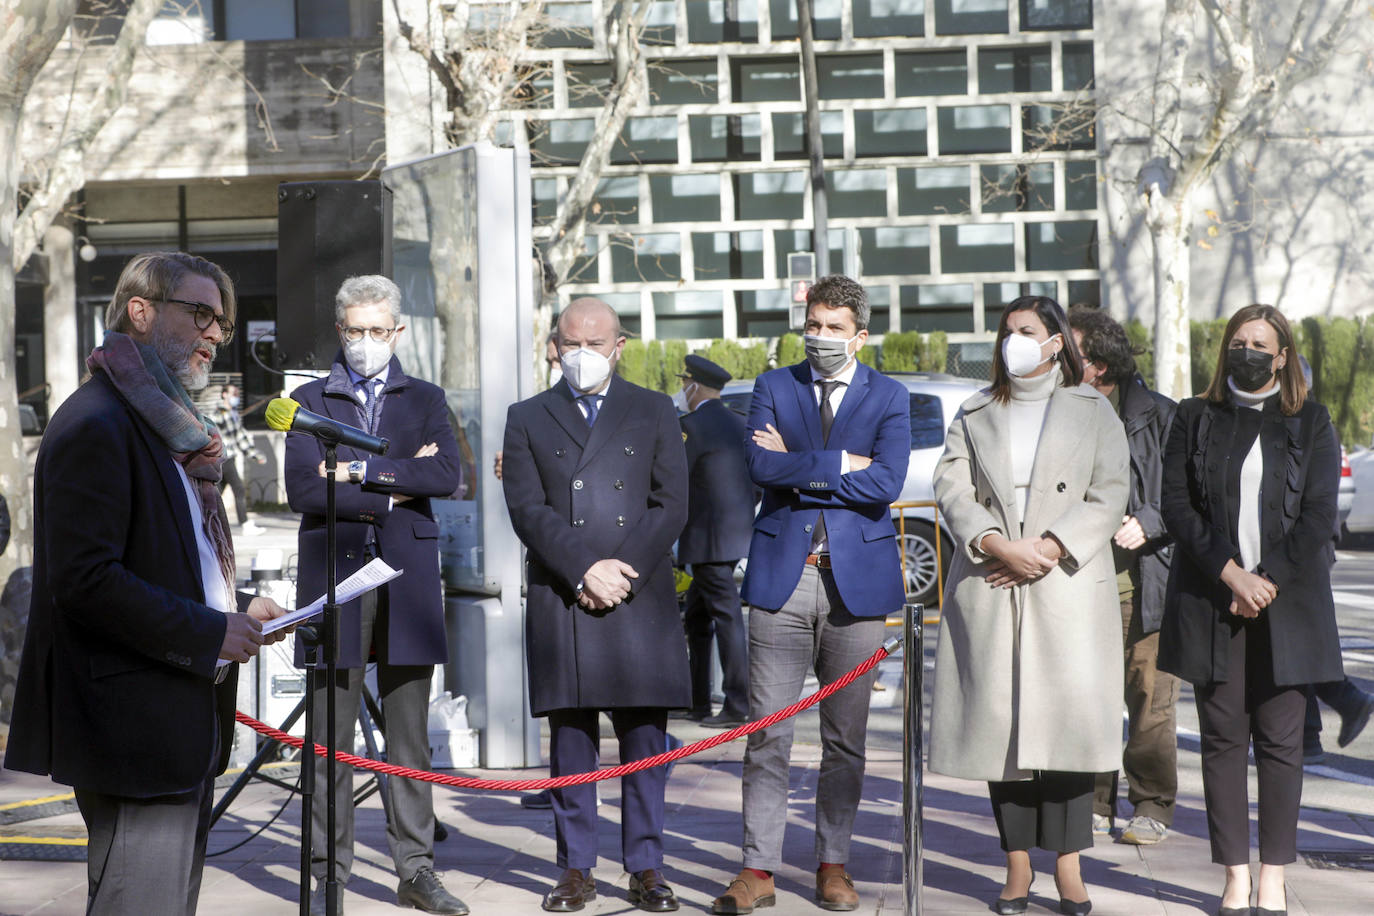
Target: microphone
(287,415)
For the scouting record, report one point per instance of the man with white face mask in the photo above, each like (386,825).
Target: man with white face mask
(383,510)
(596,483)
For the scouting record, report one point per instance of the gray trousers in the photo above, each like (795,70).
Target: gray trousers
(811,632)
(145,855)
(404,695)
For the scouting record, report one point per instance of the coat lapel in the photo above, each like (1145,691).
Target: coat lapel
(1067,421)
(986,423)
(807,405)
(614,407)
(177,497)
(562,406)
(849,405)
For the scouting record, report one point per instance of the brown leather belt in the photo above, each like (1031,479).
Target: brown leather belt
(821,560)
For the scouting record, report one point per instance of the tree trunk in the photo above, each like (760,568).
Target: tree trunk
(1169,222)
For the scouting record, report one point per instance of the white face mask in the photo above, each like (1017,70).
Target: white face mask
(682,400)
(367,357)
(555,374)
(585,370)
(1022,355)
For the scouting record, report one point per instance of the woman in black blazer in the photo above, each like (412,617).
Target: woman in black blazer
(1251,470)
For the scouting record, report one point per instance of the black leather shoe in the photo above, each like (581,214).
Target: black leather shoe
(724,719)
(1261,911)
(1233,911)
(1351,728)
(1011,906)
(651,893)
(695,714)
(1075,908)
(537,801)
(424,891)
(571,893)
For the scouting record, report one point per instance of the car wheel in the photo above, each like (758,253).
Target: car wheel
(918,562)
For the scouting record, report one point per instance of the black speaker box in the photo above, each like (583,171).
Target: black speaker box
(327,231)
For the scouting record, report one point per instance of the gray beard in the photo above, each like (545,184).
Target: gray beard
(176,356)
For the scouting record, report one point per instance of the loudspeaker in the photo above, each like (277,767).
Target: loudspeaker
(327,231)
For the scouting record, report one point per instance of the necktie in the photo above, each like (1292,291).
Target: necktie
(827,421)
(593,402)
(370,405)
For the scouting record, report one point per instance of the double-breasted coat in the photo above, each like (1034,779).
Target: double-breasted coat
(1297,515)
(720,508)
(580,494)
(1030,678)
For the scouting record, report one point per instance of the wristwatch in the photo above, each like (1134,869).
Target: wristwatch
(581,586)
(356,470)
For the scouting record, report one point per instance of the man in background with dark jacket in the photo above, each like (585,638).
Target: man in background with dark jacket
(1142,550)
(720,521)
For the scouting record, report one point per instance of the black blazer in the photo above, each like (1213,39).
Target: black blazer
(720,495)
(578,495)
(116,690)
(1297,516)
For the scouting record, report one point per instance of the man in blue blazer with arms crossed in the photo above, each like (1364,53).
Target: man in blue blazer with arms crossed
(831,439)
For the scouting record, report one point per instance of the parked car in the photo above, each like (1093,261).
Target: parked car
(935,399)
(1345,495)
(1359,518)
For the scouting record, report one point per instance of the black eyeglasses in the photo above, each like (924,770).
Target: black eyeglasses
(381,335)
(203,315)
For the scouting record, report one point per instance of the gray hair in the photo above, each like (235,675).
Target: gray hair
(368,289)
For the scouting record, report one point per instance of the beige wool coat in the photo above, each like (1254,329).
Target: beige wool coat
(1030,678)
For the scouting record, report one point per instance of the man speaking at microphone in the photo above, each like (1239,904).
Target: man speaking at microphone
(383,510)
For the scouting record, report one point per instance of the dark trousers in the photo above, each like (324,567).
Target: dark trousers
(713,608)
(229,476)
(1151,755)
(1249,706)
(404,695)
(574,747)
(1051,810)
(145,855)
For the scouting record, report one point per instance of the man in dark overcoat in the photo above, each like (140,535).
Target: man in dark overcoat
(596,482)
(383,510)
(720,521)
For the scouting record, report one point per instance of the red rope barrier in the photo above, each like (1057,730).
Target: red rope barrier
(575,779)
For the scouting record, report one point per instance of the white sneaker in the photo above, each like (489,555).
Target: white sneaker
(250,529)
(1102,824)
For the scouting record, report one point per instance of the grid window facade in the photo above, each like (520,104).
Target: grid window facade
(961,166)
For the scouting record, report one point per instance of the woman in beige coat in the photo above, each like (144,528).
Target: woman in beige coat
(1028,693)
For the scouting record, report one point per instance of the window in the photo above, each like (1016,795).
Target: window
(545,195)
(1086,291)
(685,198)
(721,138)
(768,79)
(977,248)
(713,21)
(789,135)
(975,129)
(968,17)
(941,189)
(646,258)
(584,267)
(880,309)
(569,25)
(560,142)
(996,295)
(761,313)
(900,250)
(688,313)
(787,241)
(1025,69)
(683,82)
(1080,185)
(1078,65)
(1057,127)
(769,195)
(937,307)
(931,72)
(660,26)
(882,18)
(646,140)
(1010,188)
(1056,14)
(825,15)
(849,76)
(858,192)
(891,132)
(588,84)
(927,421)
(1068,245)
(617,200)
(728,255)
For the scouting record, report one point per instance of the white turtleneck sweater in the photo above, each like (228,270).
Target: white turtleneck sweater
(1030,399)
(1251,480)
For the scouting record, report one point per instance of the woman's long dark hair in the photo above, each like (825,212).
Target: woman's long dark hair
(1292,386)
(1056,322)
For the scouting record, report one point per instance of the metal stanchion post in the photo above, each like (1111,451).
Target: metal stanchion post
(913,750)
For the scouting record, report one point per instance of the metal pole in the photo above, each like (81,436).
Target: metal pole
(329,645)
(913,750)
(815,147)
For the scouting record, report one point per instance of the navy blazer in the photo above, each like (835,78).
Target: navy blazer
(874,419)
(577,495)
(720,495)
(116,690)
(413,413)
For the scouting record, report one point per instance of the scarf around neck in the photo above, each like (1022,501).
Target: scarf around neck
(160,400)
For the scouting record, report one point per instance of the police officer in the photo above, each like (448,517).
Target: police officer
(720,520)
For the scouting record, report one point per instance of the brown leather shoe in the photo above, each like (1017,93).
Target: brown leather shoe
(835,889)
(571,893)
(747,891)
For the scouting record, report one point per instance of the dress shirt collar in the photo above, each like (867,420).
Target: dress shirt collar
(846,375)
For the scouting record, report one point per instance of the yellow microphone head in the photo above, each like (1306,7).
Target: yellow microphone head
(281,412)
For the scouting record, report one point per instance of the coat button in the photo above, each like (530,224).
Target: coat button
(577,484)
(619,484)
(559,452)
(808,529)
(629,449)
(1061,486)
(987,501)
(351,555)
(578,523)
(620,520)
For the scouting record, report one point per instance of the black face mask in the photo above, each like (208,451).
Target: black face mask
(1250,369)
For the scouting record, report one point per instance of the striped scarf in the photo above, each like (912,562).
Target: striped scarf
(158,398)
